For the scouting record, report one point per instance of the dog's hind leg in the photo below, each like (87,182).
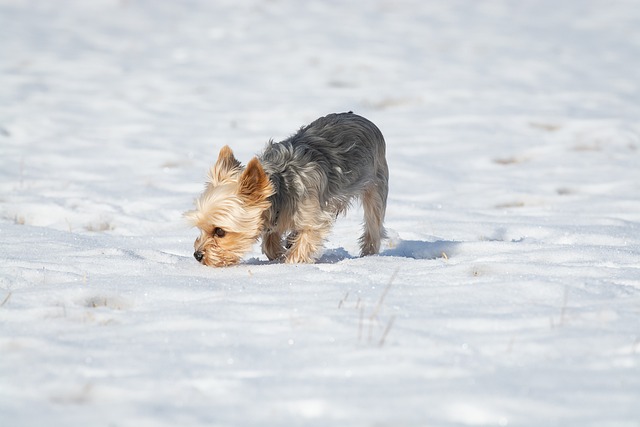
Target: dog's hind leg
(374,203)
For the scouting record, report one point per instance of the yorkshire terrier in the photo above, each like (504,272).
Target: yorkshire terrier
(292,193)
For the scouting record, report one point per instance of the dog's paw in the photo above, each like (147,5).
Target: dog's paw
(298,257)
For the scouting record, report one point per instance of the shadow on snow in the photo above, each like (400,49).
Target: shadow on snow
(418,249)
(415,249)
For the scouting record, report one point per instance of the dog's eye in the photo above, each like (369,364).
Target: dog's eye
(219,232)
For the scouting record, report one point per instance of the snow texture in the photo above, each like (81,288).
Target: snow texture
(508,293)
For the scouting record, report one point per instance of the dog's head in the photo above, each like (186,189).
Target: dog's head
(229,211)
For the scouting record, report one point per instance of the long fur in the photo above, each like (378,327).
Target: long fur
(298,186)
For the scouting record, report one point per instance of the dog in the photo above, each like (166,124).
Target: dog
(291,194)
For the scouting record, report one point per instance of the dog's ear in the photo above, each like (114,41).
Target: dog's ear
(226,159)
(224,167)
(255,186)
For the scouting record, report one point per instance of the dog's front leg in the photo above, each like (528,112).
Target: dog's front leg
(304,246)
(312,226)
(272,245)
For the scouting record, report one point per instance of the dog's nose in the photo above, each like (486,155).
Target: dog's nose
(198,255)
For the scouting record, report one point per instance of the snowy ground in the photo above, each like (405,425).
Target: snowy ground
(508,294)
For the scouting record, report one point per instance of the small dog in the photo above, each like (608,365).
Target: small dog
(292,193)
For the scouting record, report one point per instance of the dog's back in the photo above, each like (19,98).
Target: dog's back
(345,140)
(338,154)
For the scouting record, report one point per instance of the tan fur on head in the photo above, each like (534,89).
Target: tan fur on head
(229,211)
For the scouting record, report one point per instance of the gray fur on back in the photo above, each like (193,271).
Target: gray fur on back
(333,160)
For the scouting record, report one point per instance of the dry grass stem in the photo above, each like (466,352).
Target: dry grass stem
(386,331)
(4,301)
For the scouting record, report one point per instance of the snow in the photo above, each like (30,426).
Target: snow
(507,294)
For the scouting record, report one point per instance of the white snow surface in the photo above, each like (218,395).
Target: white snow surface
(508,293)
